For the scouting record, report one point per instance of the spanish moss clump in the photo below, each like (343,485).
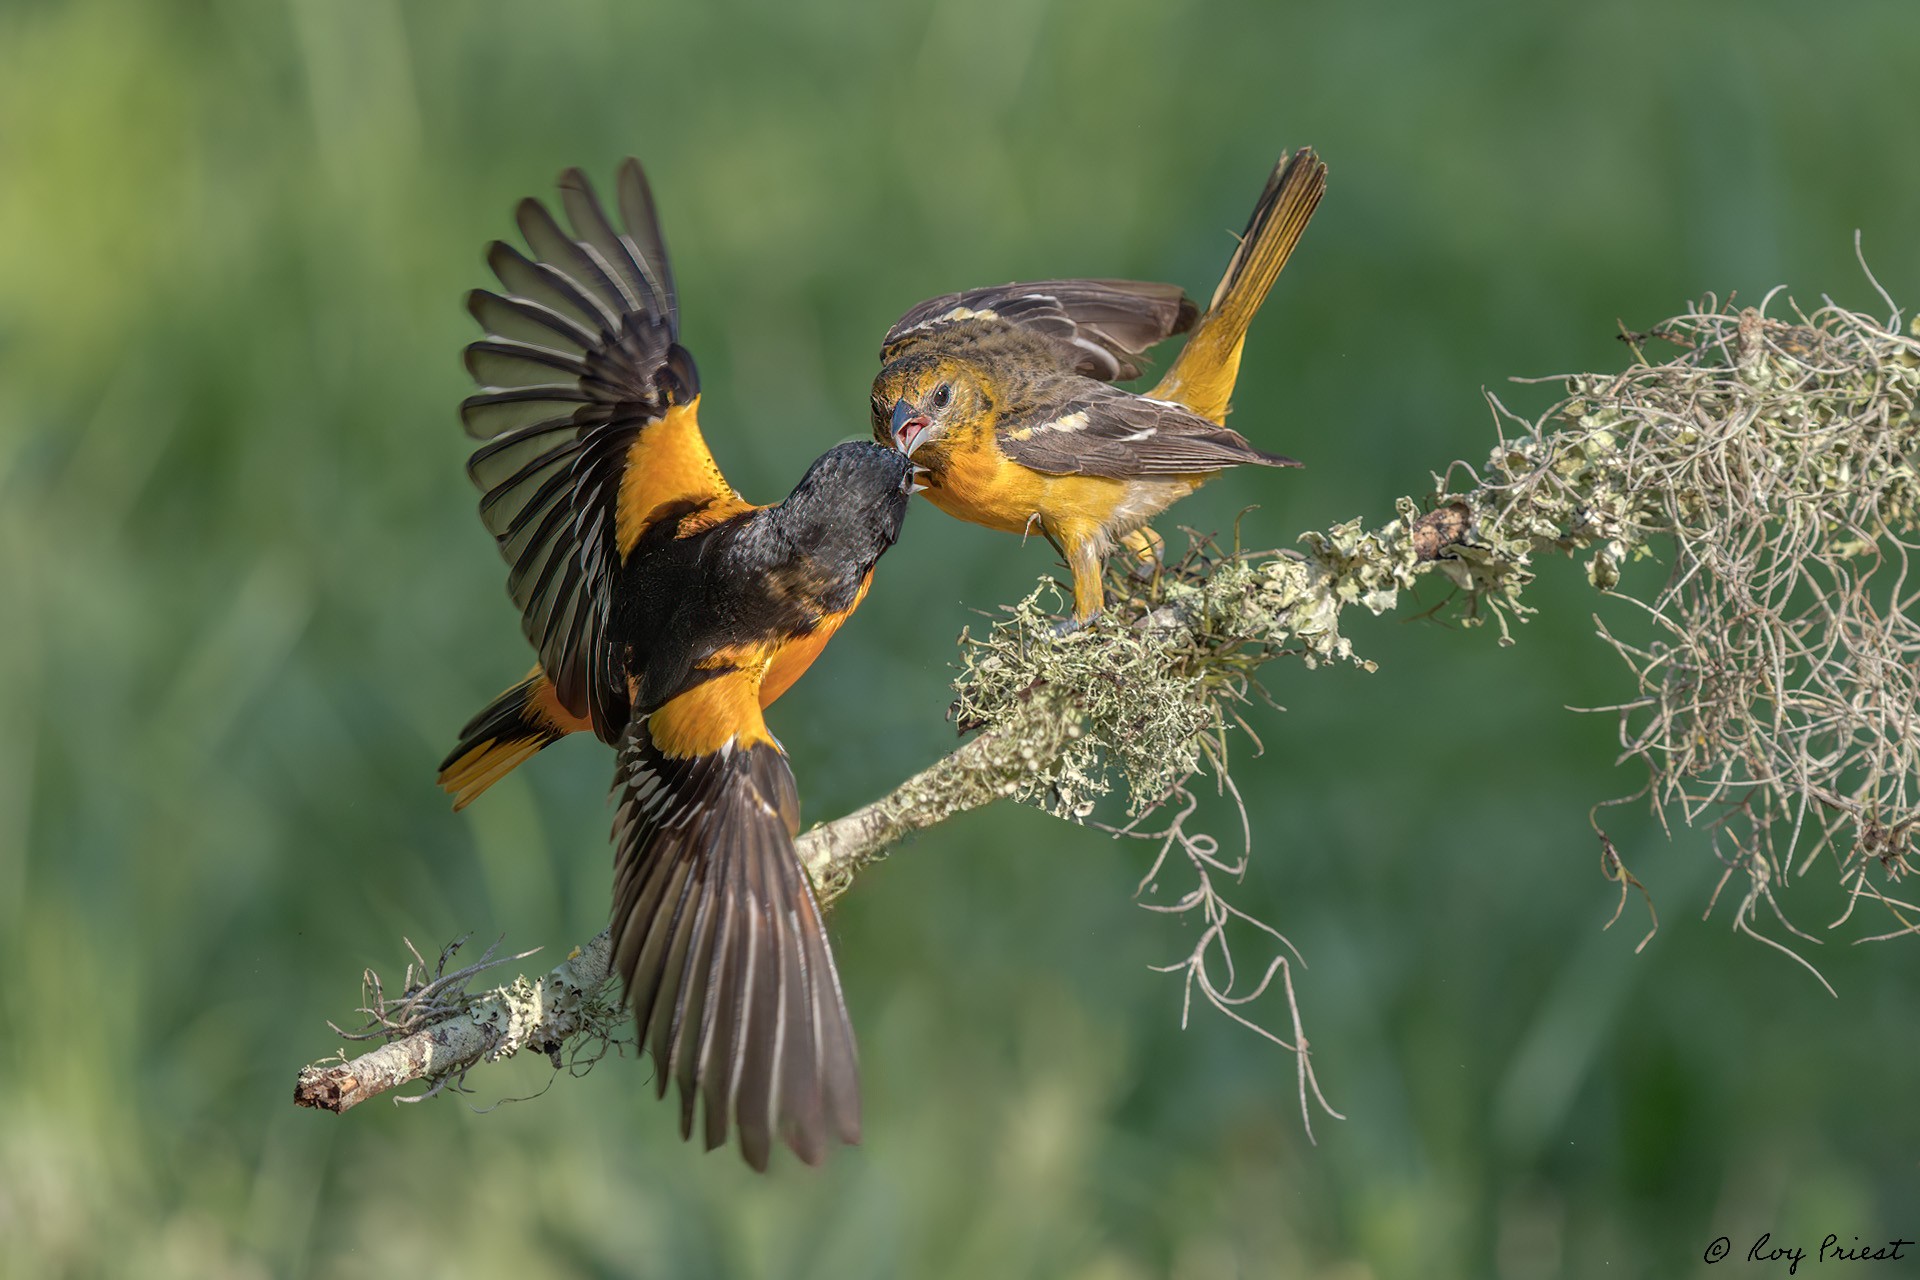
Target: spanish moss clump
(1774,468)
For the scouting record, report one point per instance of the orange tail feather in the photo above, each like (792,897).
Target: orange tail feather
(512,728)
(1203,376)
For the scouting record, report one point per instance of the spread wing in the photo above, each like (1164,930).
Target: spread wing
(1077,426)
(587,406)
(718,937)
(1098,327)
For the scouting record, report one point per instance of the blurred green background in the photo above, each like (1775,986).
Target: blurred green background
(248,603)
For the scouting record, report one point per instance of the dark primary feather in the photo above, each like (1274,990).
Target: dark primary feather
(1096,327)
(582,354)
(725,958)
(641,274)
(1075,426)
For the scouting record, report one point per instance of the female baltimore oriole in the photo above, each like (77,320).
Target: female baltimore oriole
(667,612)
(1003,398)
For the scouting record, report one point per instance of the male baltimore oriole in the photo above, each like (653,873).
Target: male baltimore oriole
(1002,395)
(668,612)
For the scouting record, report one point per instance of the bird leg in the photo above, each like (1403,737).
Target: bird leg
(1083,559)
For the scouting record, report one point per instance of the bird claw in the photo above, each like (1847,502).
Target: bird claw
(1070,624)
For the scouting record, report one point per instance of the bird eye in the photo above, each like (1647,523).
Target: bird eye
(941,395)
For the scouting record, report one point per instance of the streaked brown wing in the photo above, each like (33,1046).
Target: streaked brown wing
(580,369)
(1085,428)
(1098,327)
(722,948)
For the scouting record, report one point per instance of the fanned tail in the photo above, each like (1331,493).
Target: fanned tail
(722,947)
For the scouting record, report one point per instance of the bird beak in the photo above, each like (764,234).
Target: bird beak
(907,427)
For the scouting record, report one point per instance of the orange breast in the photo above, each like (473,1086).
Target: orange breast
(792,659)
(976,482)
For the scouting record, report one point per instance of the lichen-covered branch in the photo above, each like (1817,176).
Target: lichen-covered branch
(997,763)
(1773,466)
(1775,665)
(435,1031)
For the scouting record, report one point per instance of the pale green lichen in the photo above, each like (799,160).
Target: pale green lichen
(1772,465)
(997,764)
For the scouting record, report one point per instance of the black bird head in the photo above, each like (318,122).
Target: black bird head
(850,504)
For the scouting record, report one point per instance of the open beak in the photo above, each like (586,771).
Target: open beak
(908,427)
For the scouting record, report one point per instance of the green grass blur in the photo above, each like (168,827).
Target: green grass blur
(247,604)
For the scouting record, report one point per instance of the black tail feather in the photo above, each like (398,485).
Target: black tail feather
(724,953)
